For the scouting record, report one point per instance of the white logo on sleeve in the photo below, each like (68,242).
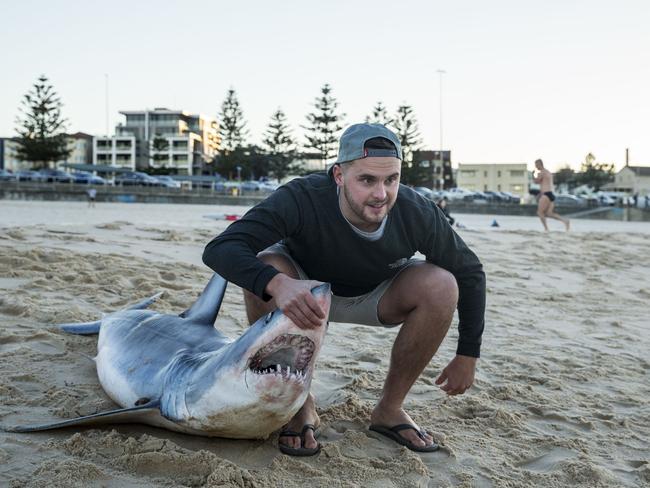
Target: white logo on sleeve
(398,264)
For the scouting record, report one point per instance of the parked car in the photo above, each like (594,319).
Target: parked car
(458,193)
(87,178)
(55,176)
(493,196)
(478,197)
(168,182)
(511,197)
(268,186)
(28,175)
(226,186)
(424,191)
(249,186)
(135,178)
(605,198)
(6,175)
(569,201)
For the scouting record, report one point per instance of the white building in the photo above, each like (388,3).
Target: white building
(115,151)
(160,138)
(79,143)
(632,180)
(510,177)
(81,149)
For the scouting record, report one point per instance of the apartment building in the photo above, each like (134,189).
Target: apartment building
(435,171)
(81,149)
(80,145)
(160,138)
(115,151)
(512,178)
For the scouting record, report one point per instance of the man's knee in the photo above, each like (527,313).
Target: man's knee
(280,262)
(421,285)
(439,286)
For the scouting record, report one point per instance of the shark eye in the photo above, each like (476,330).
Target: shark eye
(268,318)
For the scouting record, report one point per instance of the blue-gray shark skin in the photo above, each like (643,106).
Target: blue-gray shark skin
(180,373)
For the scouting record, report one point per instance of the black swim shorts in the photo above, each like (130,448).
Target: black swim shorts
(550,195)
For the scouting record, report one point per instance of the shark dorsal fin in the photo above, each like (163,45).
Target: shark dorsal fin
(206,307)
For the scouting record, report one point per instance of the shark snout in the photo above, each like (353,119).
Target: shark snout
(323,296)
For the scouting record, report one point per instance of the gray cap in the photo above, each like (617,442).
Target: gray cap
(355,137)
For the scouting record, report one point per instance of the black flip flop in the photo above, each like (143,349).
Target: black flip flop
(393,433)
(300,451)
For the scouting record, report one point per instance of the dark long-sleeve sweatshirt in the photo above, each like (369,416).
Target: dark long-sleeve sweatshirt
(305,215)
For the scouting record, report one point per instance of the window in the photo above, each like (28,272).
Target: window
(498,187)
(516,173)
(499,173)
(485,174)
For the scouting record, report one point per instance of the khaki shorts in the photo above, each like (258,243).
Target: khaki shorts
(355,310)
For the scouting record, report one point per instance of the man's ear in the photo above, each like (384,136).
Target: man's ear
(337,172)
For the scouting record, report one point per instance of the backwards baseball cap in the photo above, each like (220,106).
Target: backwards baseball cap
(354,138)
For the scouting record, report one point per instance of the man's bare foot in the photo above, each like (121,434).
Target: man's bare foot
(567,224)
(389,418)
(306,415)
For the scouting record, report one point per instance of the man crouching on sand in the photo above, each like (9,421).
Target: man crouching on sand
(357,228)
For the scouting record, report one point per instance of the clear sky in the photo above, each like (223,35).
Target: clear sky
(554,79)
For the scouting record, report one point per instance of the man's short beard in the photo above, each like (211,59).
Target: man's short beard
(358,210)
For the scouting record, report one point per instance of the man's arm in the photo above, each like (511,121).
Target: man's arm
(449,251)
(233,253)
(446,249)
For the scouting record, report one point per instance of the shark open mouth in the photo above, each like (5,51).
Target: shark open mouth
(286,355)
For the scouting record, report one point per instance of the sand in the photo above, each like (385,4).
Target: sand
(561,396)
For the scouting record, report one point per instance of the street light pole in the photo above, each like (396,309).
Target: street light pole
(106,100)
(440,73)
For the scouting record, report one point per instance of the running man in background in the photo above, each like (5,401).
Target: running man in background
(546,202)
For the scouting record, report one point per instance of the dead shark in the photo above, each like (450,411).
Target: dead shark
(180,373)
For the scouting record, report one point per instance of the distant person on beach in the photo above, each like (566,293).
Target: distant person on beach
(357,228)
(442,205)
(546,202)
(92,195)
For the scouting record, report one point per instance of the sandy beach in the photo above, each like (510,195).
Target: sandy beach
(561,396)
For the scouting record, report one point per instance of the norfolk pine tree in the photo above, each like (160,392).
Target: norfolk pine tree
(280,145)
(324,125)
(41,127)
(406,127)
(379,115)
(232,132)
(160,146)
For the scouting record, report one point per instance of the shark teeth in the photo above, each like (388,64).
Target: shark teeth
(288,373)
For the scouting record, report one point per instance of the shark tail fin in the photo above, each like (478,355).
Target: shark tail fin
(206,307)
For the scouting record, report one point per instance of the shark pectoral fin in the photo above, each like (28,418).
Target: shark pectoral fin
(84,328)
(130,415)
(145,303)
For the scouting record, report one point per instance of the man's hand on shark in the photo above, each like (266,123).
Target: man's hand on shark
(296,301)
